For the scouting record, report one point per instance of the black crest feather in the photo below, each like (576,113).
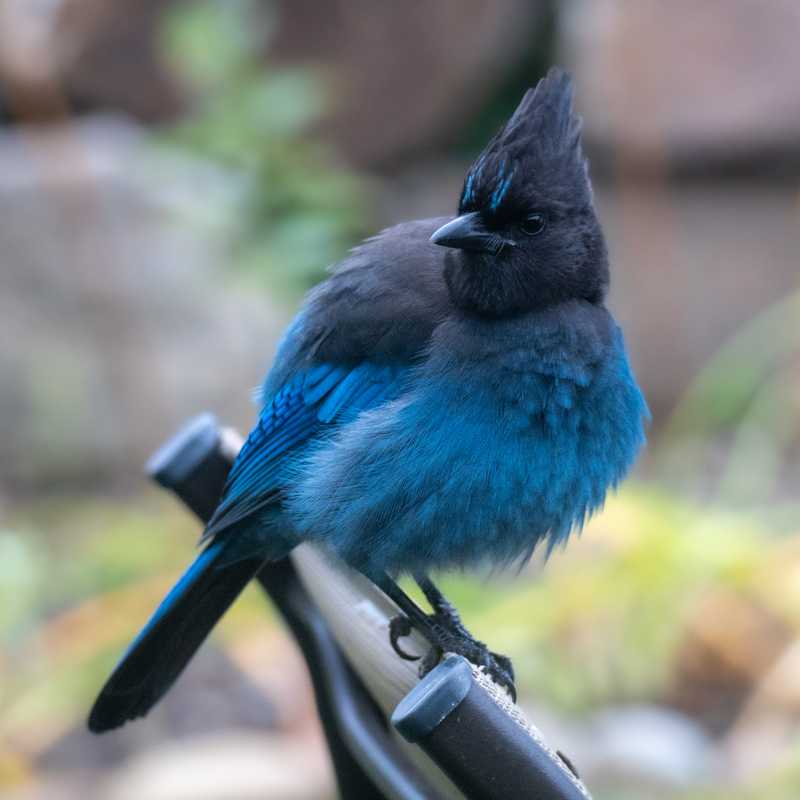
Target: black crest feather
(535,157)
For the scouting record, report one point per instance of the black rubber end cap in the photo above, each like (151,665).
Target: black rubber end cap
(441,691)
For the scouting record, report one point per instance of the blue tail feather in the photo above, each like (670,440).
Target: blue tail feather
(169,640)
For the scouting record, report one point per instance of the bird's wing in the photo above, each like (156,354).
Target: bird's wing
(310,404)
(357,336)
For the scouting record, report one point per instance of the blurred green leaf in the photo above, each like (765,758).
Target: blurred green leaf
(300,210)
(21,575)
(602,623)
(728,384)
(738,422)
(209,41)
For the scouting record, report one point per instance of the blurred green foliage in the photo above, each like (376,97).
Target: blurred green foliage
(599,627)
(782,784)
(299,209)
(602,624)
(738,423)
(80,575)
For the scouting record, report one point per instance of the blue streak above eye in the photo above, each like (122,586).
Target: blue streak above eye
(467,196)
(469,186)
(500,192)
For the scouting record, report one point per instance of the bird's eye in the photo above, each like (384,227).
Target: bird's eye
(534,224)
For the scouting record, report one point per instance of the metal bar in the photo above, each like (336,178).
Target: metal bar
(484,750)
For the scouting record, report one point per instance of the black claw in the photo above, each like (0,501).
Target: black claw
(500,674)
(432,658)
(399,627)
(445,632)
(508,683)
(495,668)
(505,665)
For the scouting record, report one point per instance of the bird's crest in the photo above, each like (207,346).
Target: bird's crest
(536,156)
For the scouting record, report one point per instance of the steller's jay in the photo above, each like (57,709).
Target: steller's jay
(453,394)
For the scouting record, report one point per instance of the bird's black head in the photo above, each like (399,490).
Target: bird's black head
(527,236)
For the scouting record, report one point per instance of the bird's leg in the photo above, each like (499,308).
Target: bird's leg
(446,614)
(444,630)
(443,609)
(413,616)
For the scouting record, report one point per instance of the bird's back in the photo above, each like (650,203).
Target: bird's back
(380,304)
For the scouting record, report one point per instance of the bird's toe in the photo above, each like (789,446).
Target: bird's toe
(400,627)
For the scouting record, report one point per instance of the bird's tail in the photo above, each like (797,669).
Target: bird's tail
(171,637)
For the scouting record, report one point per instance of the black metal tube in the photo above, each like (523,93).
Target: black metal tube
(483,750)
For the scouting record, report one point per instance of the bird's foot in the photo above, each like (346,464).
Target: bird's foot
(399,627)
(447,634)
(459,640)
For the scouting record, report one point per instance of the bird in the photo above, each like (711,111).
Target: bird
(454,394)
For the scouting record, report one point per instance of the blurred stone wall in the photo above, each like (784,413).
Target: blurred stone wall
(116,320)
(692,113)
(693,88)
(116,323)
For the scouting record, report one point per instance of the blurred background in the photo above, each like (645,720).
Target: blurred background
(174,175)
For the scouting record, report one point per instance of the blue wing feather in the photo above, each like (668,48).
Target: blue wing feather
(306,407)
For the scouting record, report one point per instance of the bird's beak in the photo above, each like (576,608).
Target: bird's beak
(468,232)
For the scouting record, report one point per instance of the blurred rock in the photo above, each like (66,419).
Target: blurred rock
(692,264)
(730,643)
(404,82)
(399,82)
(685,86)
(84,54)
(689,85)
(232,767)
(765,734)
(647,750)
(647,747)
(108,57)
(650,751)
(116,324)
(212,696)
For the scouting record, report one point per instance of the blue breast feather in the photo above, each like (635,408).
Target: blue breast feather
(488,454)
